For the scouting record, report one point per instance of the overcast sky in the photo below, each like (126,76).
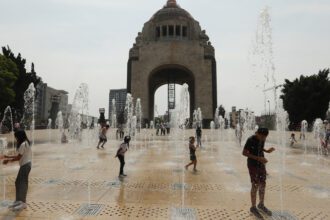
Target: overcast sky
(75,41)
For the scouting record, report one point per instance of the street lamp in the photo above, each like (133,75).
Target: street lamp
(268,106)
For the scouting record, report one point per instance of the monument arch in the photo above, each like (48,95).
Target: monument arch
(172,48)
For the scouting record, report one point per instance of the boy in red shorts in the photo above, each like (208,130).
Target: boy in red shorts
(254,151)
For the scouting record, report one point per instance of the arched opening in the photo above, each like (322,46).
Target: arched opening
(170,74)
(165,101)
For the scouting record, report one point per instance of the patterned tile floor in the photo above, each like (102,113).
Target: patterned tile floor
(76,181)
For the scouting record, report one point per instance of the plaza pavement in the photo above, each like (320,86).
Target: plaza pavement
(76,181)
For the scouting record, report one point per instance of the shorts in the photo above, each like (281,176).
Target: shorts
(102,139)
(257,174)
(193,157)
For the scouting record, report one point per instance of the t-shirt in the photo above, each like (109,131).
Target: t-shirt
(122,149)
(102,134)
(26,152)
(192,149)
(256,148)
(327,127)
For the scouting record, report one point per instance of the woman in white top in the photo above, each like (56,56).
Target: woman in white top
(24,157)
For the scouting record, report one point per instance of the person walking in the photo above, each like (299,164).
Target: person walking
(123,148)
(292,139)
(24,157)
(254,151)
(192,151)
(103,136)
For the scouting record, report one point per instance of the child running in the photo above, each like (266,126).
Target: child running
(103,136)
(121,155)
(192,150)
(292,139)
(254,151)
(24,157)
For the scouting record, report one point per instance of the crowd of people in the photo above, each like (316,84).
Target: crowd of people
(163,128)
(254,150)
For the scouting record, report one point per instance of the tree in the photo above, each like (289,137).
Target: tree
(23,81)
(307,98)
(8,77)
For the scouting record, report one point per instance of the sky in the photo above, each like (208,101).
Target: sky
(87,41)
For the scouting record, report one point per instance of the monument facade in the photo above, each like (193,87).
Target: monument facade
(173,49)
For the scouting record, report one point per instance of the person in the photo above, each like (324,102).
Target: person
(123,148)
(239,134)
(292,139)
(199,136)
(303,129)
(103,136)
(17,126)
(162,129)
(64,139)
(121,133)
(168,128)
(327,133)
(157,129)
(192,150)
(256,161)
(25,158)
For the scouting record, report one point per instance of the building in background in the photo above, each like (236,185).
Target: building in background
(119,95)
(49,102)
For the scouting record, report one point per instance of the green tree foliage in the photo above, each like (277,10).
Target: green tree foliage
(23,81)
(8,77)
(307,98)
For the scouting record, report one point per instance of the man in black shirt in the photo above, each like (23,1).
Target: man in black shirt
(254,151)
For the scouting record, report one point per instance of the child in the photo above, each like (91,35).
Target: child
(192,150)
(64,139)
(24,157)
(103,136)
(121,155)
(254,151)
(292,139)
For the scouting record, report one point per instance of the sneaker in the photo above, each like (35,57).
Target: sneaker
(256,213)
(20,207)
(16,203)
(124,175)
(265,210)
(97,148)
(195,170)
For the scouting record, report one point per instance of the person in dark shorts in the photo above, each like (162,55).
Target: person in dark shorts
(254,151)
(192,150)
(103,136)
(121,155)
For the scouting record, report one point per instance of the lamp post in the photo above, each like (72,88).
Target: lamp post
(268,106)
